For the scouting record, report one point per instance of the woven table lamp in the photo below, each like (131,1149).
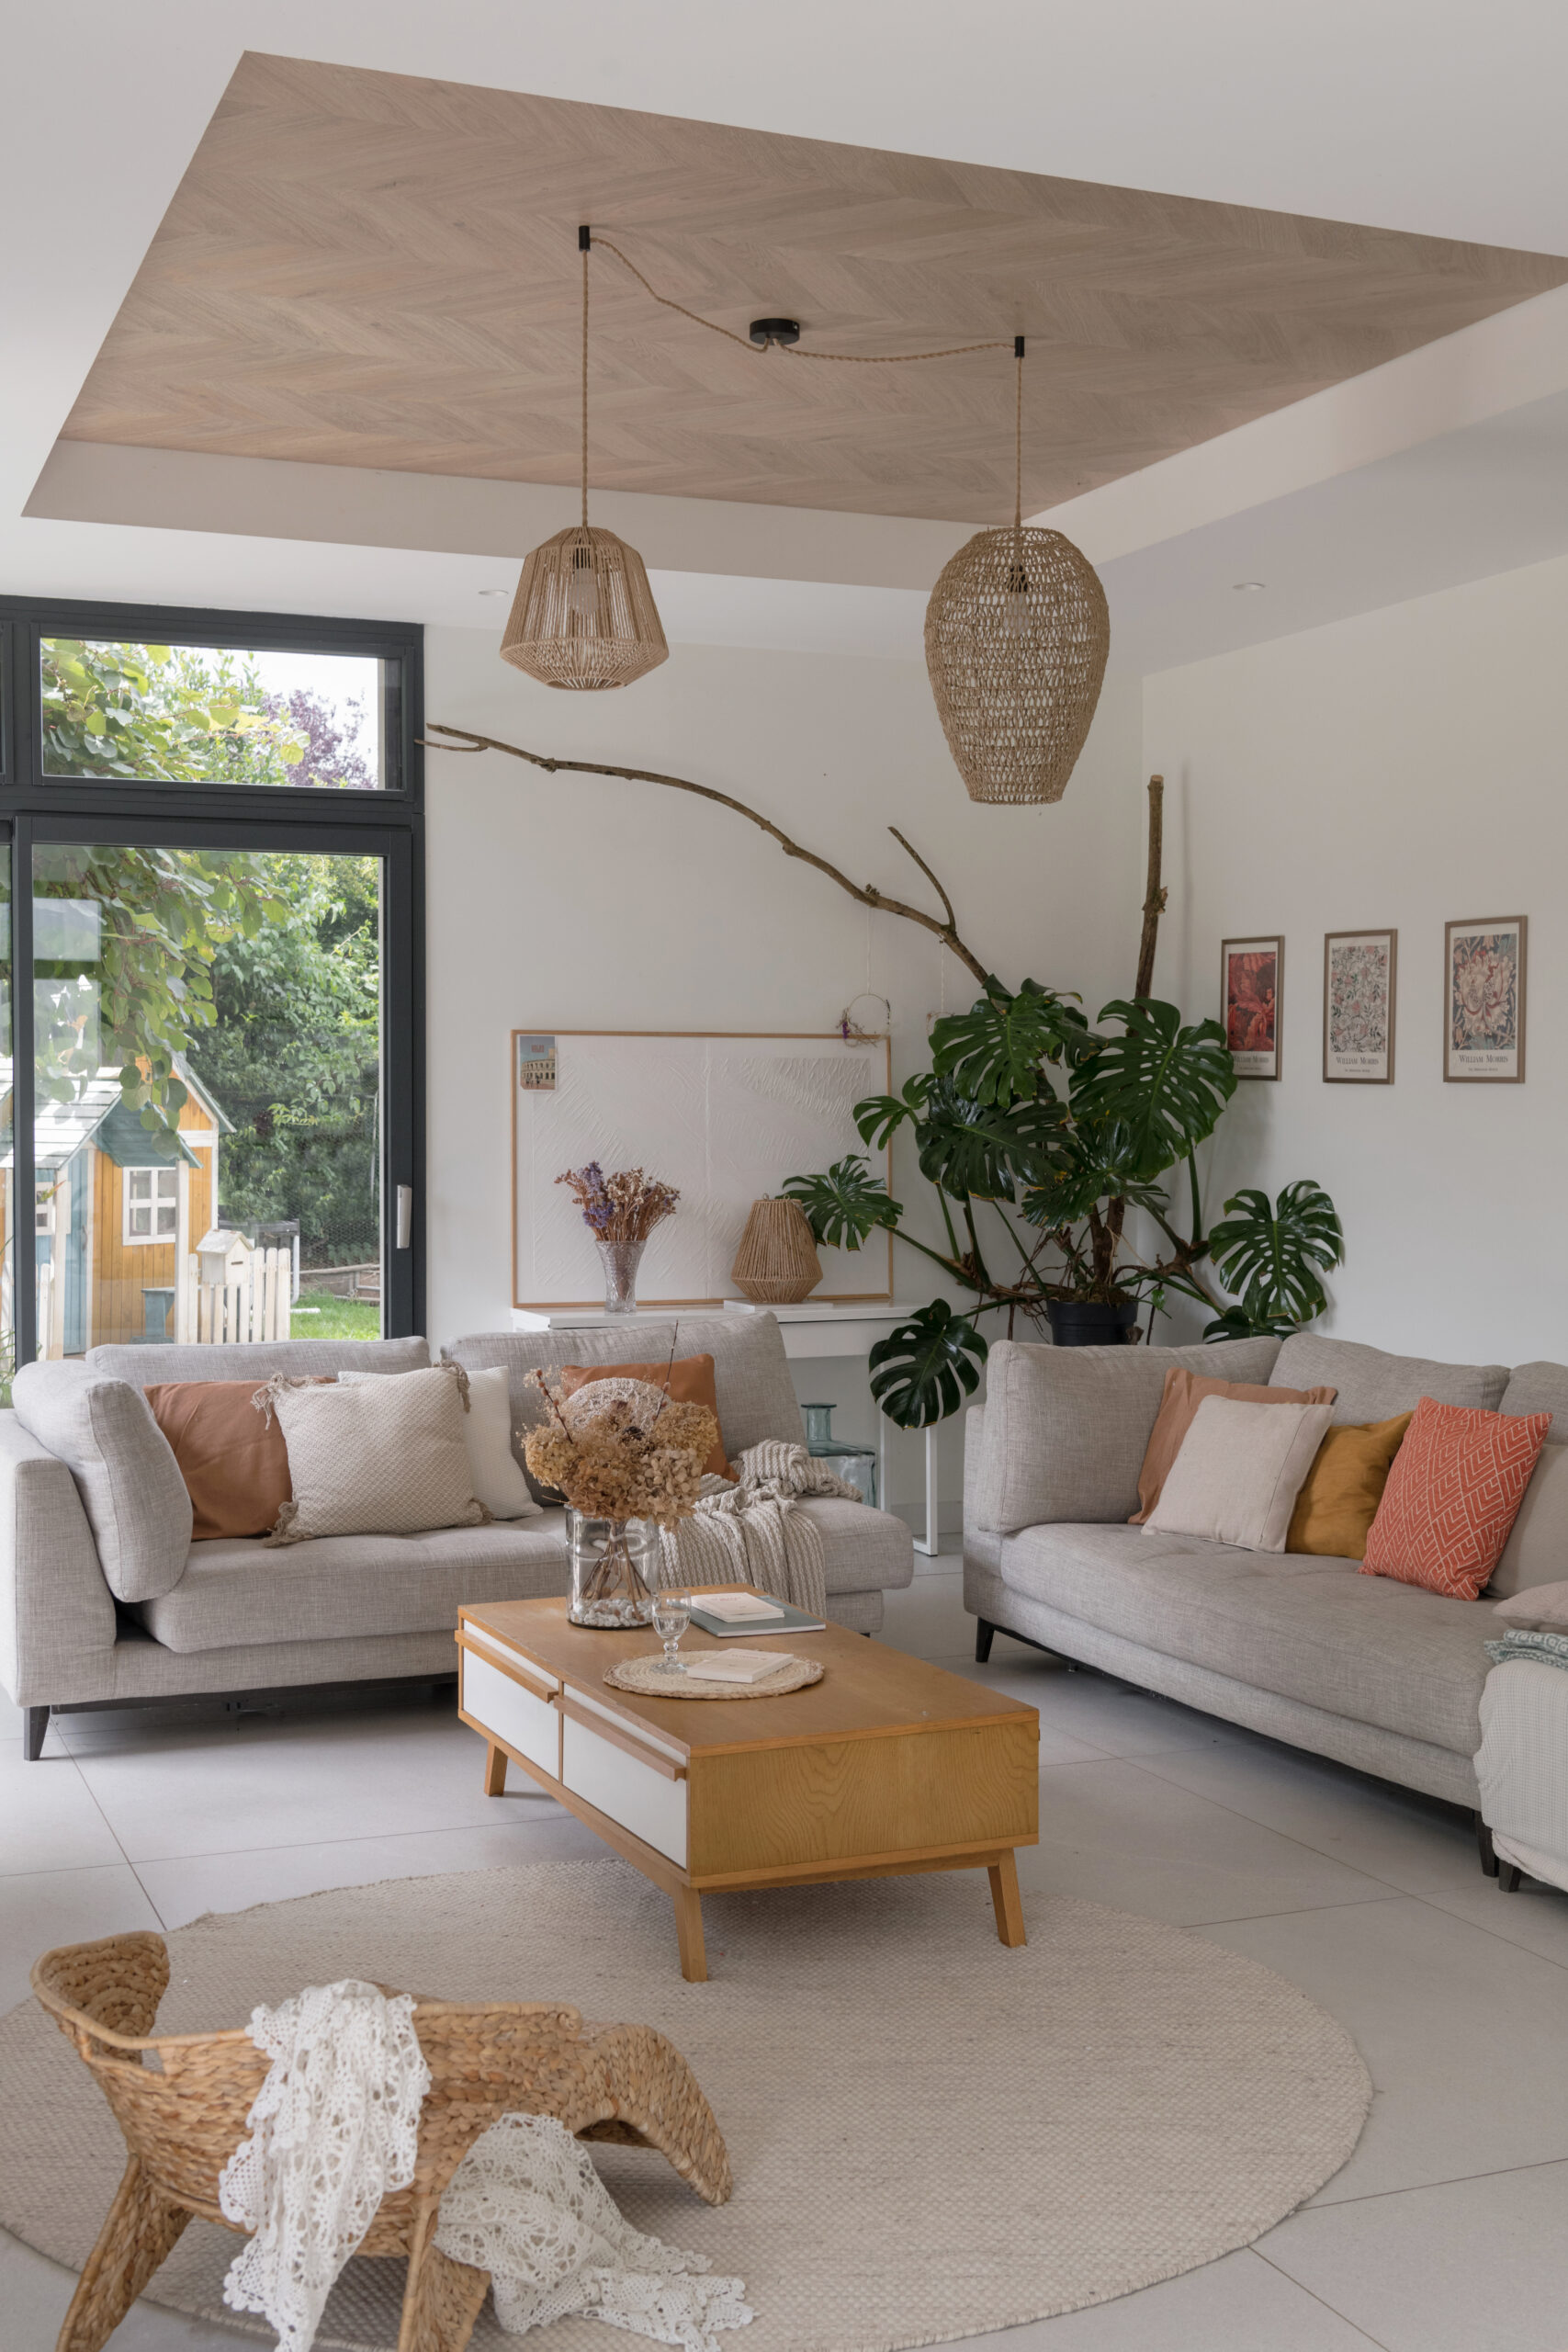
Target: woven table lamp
(1017,635)
(584,614)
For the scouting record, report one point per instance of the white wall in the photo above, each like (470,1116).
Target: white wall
(1408,768)
(586,902)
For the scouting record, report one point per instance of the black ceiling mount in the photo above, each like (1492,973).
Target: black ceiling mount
(584,237)
(766,330)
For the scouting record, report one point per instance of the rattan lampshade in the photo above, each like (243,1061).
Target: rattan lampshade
(584,615)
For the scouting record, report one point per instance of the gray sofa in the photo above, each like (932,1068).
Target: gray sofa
(105,1599)
(1383,1676)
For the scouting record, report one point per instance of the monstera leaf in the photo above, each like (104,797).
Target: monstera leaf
(993,1052)
(1088,1166)
(880,1115)
(974,1150)
(1164,1085)
(1270,1255)
(846,1205)
(923,1371)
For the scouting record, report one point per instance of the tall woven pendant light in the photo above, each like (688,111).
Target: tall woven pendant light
(584,614)
(1017,635)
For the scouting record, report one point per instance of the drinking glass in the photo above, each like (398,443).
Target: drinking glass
(672,1615)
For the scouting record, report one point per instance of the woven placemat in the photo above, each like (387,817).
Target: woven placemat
(651,1679)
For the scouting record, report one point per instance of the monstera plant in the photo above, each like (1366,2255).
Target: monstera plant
(1040,1132)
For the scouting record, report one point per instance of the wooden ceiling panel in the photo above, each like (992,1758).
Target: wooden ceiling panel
(365,269)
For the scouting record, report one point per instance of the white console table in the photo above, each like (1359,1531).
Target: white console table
(811,1331)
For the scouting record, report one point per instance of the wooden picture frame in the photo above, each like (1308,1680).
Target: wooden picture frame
(1484,1000)
(541,1083)
(1252,977)
(1360,987)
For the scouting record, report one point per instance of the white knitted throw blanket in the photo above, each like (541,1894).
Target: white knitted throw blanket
(527,2205)
(335,2129)
(752,1532)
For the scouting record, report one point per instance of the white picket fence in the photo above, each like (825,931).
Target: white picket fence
(251,1302)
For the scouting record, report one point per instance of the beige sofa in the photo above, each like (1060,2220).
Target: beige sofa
(105,1599)
(1380,1674)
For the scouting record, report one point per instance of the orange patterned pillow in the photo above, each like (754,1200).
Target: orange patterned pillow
(1456,1485)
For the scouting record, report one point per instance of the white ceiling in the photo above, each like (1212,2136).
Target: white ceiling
(1425,115)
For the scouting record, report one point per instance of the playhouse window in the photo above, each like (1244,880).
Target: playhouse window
(152,1203)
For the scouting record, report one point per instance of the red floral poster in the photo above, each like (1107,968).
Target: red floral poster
(1250,975)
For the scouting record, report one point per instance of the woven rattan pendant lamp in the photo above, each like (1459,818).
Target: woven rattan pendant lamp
(1017,635)
(584,614)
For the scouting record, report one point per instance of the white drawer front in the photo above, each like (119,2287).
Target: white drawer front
(644,1801)
(530,1725)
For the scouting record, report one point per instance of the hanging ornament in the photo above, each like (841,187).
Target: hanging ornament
(584,614)
(1017,635)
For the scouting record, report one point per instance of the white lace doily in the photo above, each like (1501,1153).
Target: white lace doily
(589,1401)
(527,2205)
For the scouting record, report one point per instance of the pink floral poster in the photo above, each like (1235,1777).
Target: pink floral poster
(1357,1007)
(1486,989)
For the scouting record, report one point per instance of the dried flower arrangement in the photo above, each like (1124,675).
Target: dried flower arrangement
(623,1207)
(638,1454)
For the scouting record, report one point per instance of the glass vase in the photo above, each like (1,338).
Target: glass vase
(856,1465)
(621,1261)
(615,1566)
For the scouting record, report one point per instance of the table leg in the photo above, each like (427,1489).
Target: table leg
(1005,1900)
(689,1931)
(495,1770)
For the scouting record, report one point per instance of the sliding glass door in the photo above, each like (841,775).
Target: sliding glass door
(217,872)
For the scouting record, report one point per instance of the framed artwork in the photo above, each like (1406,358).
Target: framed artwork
(1483,1015)
(1359,973)
(1251,974)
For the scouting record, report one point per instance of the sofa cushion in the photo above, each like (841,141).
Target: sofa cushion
(1300,1625)
(1539,1388)
(297,1358)
(752,1374)
(1239,1471)
(1374,1386)
(124,1467)
(234,1594)
(1452,1496)
(376,1456)
(231,1457)
(1066,1429)
(1537,1548)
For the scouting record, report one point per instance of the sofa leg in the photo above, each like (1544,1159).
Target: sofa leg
(984,1636)
(1488,1851)
(1509,1877)
(33,1735)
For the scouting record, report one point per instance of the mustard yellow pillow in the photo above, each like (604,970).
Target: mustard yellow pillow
(1344,1487)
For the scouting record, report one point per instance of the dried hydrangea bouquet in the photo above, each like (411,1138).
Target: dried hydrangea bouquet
(620,1212)
(629,1460)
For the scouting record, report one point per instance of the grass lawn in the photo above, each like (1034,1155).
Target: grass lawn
(320,1315)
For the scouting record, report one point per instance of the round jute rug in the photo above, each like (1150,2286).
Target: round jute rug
(931,2135)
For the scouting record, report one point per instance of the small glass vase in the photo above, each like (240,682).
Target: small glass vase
(856,1465)
(621,1261)
(615,1566)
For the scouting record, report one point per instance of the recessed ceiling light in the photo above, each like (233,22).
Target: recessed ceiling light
(495,591)
(1249,587)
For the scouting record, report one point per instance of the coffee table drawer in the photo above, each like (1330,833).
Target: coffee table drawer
(643,1798)
(512,1713)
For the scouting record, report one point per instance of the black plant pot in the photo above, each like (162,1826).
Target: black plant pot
(1092,1322)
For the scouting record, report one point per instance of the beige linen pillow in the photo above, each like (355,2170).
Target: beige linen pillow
(1238,1473)
(487,1432)
(1540,1609)
(375,1457)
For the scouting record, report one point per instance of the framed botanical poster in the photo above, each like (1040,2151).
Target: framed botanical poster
(1357,1007)
(1483,1023)
(1251,972)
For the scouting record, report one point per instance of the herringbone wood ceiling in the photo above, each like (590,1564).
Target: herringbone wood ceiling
(365,269)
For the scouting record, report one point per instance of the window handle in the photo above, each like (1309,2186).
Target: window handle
(405,1216)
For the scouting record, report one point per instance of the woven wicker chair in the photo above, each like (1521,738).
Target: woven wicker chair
(181,2125)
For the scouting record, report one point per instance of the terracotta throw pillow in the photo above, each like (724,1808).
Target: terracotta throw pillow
(235,1463)
(1344,1487)
(689,1381)
(1183,1392)
(1456,1484)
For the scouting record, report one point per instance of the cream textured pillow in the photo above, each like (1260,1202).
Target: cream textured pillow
(1238,1473)
(487,1430)
(375,1457)
(1541,1609)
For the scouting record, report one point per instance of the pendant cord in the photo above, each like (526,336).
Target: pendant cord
(1018,449)
(585,388)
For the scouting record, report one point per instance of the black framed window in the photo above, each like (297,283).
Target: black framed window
(210,976)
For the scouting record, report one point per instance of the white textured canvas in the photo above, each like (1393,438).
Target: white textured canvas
(725,1119)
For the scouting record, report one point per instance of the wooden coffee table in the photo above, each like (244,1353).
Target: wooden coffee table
(888,1765)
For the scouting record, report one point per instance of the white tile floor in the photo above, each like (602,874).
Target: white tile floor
(1448,2231)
